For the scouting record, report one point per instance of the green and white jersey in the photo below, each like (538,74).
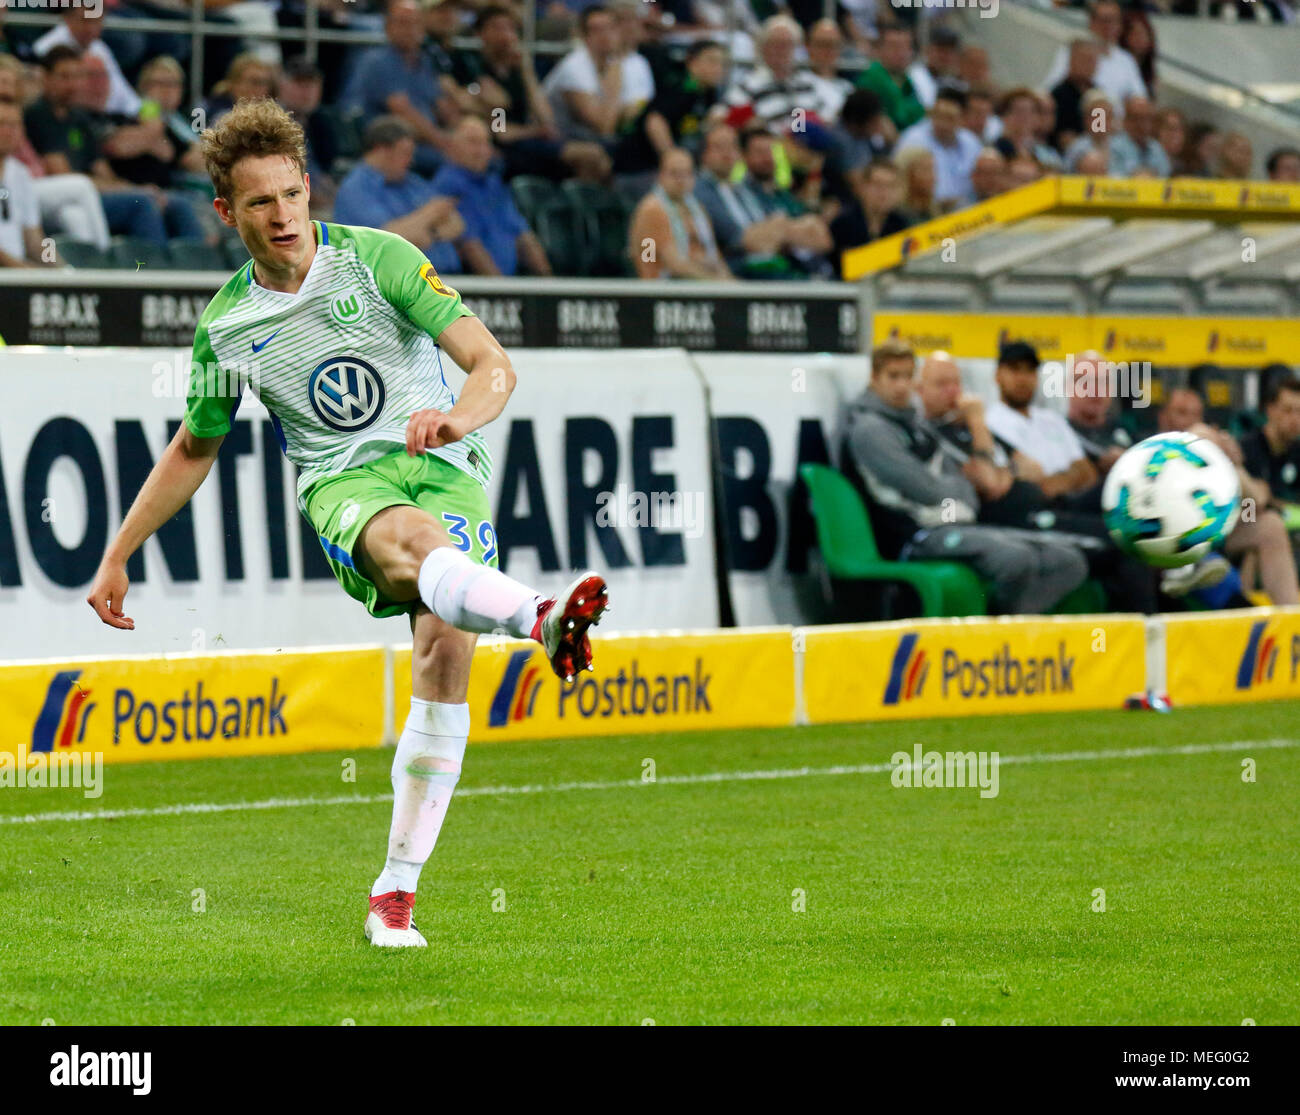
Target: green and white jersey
(342,364)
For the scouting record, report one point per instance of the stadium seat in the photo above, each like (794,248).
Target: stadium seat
(188,254)
(531,193)
(604,220)
(80,254)
(235,252)
(346,127)
(849,550)
(1088,599)
(559,229)
(134,253)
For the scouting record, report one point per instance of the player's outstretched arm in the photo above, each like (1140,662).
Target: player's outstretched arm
(184,465)
(491,379)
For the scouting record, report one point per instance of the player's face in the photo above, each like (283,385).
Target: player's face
(1017,383)
(893,382)
(269,209)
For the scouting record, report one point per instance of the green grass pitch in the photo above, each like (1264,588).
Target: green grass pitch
(675,901)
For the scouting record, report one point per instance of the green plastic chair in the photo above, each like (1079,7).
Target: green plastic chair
(1087,600)
(532,193)
(558,227)
(605,221)
(77,253)
(134,253)
(848,546)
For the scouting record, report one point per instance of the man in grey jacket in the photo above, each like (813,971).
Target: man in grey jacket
(923,504)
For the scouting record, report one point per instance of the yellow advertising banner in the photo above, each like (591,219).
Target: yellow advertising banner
(189,706)
(1226,657)
(971,667)
(1188,197)
(1244,342)
(669,681)
(1229,198)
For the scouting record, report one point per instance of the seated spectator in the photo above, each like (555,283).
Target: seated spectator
(753,239)
(1204,143)
(142,153)
(1260,533)
(441,19)
(677,115)
(299,95)
(778,87)
(1284,165)
(1138,37)
(1019,111)
(1099,117)
(381,192)
(887,77)
(670,235)
(1024,169)
(973,66)
(1236,157)
(952,147)
(503,89)
(938,67)
(1092,414)
(599,89)
(1171,133)
(874,212)
(988,177)
(979,118)
(250,77)
(1063,490)
(1117,74)
(21,235)
(825,45)
(1134,151)
(398,79)
(1068,93)
(807,237)
(1272,452)
(863,134)
(162,90)
(64,134)
(1047,452)
(496,235)
(923,500)
(81,29)
(917,167)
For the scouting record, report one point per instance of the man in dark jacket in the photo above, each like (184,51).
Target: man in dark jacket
(923,502)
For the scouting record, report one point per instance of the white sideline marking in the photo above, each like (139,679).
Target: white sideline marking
(626,783)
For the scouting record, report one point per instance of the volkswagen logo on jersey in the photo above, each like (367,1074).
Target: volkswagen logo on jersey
(346,393)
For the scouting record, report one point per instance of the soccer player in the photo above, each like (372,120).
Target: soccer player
(338,331)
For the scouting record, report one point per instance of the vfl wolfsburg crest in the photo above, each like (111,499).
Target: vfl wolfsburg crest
(346,307)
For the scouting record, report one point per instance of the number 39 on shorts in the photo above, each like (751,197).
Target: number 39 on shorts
(458,528)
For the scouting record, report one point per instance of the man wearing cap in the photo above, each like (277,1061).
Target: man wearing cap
(1046,451)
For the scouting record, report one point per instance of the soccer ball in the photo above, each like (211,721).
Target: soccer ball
(1171,499)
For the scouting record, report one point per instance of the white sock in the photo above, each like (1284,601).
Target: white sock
(476,597)
(426,769)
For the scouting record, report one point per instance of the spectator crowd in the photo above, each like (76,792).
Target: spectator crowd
(761,151)
(1013,489)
